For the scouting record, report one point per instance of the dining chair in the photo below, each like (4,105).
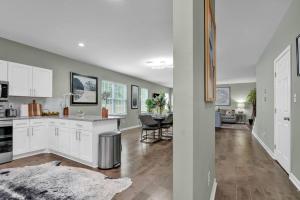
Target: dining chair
(149,125)
(167,125)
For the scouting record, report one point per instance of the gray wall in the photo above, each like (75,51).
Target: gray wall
(62,66)
(286,35)
(194,134)
(239,93)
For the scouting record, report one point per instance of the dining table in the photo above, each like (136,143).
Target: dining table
(159,119)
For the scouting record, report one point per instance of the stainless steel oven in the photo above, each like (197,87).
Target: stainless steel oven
(6,140)
(3,91)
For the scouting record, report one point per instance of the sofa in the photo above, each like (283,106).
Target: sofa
(228,116)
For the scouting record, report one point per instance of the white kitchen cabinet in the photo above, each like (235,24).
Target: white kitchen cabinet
(81,144)
(86,150)
(3,70)
(73,139)
(21,140)
(25,80)
(38,138)
(20,79)
(53,138)
(64,140)
(74,143)
(41,82)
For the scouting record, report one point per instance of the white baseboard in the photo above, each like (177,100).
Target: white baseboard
(16,157)
(270,152)
(131,127)
(213,190)
(295,181)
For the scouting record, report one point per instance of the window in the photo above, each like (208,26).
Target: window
(167,96)
(144,97)
(117,102)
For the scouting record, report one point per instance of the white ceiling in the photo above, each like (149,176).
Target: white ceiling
(244,29)
(122,35)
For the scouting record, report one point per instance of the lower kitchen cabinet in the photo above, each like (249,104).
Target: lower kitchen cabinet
(74,143)
(37,138)
(53,138)
(72,139)
(81,144)
(21,140)
(27,139)
(63,140)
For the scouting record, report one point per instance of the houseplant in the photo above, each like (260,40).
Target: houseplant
(251,99)
(160,102)
(104,110)
(150,105)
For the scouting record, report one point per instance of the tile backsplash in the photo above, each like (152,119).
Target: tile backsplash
(50,104)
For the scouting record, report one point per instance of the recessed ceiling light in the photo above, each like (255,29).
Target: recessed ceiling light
(81,44)
(160,63)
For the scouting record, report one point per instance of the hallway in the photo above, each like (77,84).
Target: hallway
(244,171)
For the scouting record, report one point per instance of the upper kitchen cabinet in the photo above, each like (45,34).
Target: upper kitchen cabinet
(30,81)
(3,70)
(20,79)
(42,82)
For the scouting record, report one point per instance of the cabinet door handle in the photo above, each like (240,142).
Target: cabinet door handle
(32,131)
(76,135)
(79,136)
(57,132)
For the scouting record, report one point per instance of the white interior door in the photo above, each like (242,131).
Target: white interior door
(282,92)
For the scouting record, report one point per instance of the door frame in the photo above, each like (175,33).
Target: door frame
(286,50)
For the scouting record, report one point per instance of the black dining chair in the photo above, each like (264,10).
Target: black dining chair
(166,125)
(148,125)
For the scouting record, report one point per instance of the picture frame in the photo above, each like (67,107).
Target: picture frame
(84,89)
(223,96)
(134,97)
(298,54)
(210,53)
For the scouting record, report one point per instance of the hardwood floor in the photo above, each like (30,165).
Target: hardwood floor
(245,171)
(148,165)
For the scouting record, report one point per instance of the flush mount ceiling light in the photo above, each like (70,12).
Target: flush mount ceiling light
(81,44)
(160,64)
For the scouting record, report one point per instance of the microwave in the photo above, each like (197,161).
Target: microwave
(3,91)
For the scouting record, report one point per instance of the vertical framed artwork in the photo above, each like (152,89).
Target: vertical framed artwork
(210,53)
(298,54)
(223,96)
(134,97)
(84,89)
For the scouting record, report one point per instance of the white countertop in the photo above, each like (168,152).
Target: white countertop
(89,118)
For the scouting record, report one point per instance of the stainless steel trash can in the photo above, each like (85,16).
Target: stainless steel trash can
(109,153)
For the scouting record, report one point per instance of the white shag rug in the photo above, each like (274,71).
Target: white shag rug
(52,181)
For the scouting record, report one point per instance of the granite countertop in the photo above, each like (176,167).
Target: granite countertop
(89,118)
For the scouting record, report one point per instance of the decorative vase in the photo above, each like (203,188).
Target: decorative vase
(104,112)
(66,111)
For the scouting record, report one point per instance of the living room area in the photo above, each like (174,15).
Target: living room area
(235,105)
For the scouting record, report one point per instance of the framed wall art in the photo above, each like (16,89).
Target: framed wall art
(134,97)
(223,96)
(298,54)
(210,53)
(84,89)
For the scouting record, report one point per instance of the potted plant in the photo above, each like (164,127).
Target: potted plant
(160,102)
(251,99)
(104,110)
(150,105)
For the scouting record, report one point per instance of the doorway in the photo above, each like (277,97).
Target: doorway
(282,111)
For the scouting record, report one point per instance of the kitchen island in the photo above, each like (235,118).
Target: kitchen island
(72,137)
